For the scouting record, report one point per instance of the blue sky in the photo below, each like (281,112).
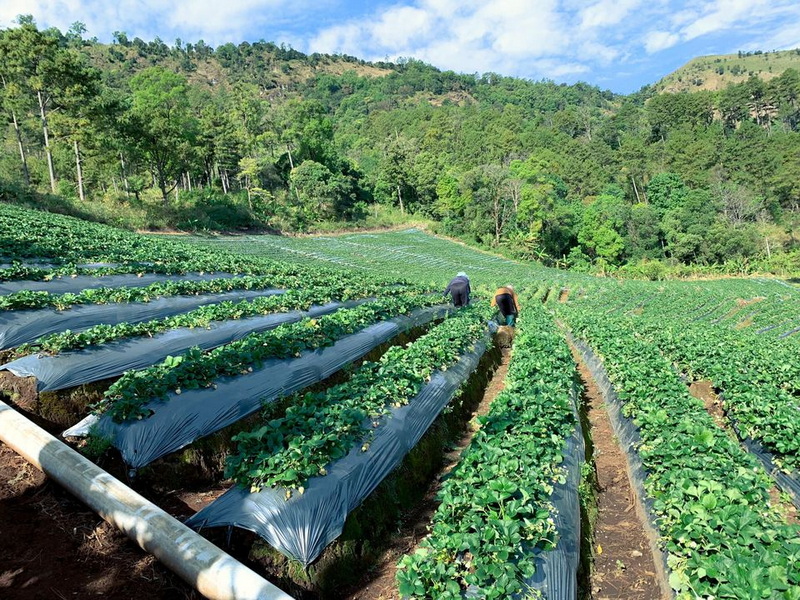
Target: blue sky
(615,44)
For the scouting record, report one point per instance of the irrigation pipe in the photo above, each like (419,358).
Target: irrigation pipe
(197,561)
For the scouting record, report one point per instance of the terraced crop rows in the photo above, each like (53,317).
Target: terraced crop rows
(497,522)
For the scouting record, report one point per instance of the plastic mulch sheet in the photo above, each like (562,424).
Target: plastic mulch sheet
(22,326)
(193,414)
(787,482)
(626,432)
(84,366)
(85,282)
(556,570)
(303,526)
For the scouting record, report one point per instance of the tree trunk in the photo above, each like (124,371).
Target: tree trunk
(249,195)
(21,149)
(497,220)
(400,199)
(47,143)
(636,191)
(291,162)
(222,179)
(189,180)
(125,176)
(79,171)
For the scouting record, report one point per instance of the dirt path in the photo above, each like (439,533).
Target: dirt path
(53,547)
(379,583)
(624,565)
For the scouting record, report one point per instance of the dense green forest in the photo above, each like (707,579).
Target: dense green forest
(148,135)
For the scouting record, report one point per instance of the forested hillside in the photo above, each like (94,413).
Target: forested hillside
(151,135)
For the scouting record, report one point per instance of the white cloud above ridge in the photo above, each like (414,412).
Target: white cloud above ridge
(655,41)
(607,12)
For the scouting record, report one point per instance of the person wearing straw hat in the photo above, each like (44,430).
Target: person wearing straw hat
(459,289)
(505,299)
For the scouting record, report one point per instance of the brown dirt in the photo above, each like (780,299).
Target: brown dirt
(379,583)
(704,391)
(55,547)
(22,390)
(741,303)
(564,295)
(624,564)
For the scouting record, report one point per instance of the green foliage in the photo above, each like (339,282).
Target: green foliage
(270,137)
(323,427)
(194,369)
(709,498)
(495,509)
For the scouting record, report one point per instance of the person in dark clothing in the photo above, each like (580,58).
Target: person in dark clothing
(505,299)
(459,289)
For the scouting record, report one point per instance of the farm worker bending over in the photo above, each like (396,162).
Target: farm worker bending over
(506,300)
(458,288)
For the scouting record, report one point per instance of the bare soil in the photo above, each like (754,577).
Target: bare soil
(379,582)
(53,547)
(624,565)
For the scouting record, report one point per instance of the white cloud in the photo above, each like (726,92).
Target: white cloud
(722,14)
(766,23)
(216,22)
(607,12)
(493,35)
(785,39)
(399,25)
(660,40)
(554,68)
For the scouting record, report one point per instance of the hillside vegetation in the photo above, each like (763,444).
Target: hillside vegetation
(714,73)
(262,137)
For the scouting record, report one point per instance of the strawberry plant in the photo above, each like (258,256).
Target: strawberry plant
(125,398)
(709,496)
(322,427)
(495,509)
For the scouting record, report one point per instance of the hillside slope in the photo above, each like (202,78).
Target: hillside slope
(716,72)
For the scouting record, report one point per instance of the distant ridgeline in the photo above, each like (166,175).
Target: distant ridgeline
(717,72)
(258,136)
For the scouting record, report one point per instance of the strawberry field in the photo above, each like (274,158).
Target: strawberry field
(316,407)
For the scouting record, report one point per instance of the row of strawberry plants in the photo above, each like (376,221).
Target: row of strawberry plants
(194,369)
(67,241)
(322,427)
(760,379)
(495,509)
(710,497)
(203,317)
(280,277)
